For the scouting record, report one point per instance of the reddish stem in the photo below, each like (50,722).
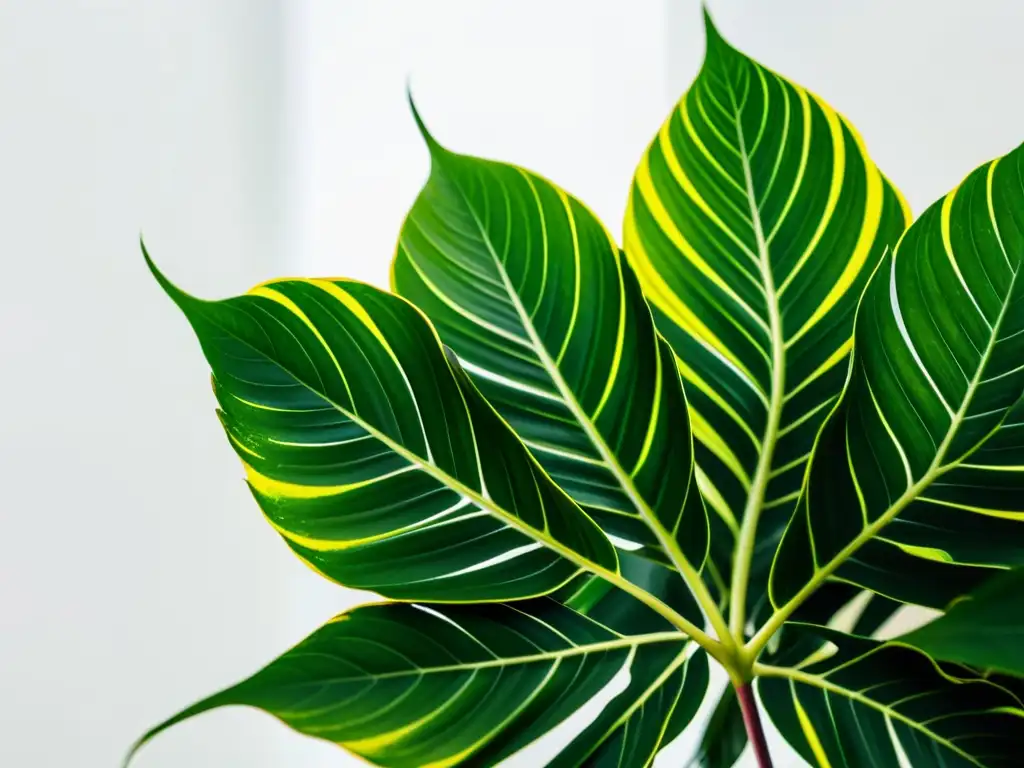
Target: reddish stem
(752,721)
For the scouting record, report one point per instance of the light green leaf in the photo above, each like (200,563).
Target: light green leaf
(531,292)
(754,220)
(984,629)
(886,705)
(926,430)
(431,686)
(374,456)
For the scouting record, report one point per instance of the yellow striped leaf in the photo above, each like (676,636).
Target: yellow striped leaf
(885,705)
(373,454)
(532,293)
(915,489)
(431,686)
(754,219)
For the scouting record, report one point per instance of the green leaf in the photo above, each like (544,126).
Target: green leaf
(754,220)
(915,488)
(725,736)
(531,292)
(595,597)
(428,686)
(837,606)
(374,456)
(612,740)
(984,629)
(887,705)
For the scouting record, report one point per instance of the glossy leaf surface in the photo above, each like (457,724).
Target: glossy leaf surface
(531,292)
(886,705)
(923,431)
(646,717)
(777,390)
(984,629)
(413,686)
(837,606)
(374,456)
(754,221)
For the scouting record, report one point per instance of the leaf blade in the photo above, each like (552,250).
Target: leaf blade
(754,220)
(409,686)
(534,296)
(874,703)
(725,736)
(932,383)
(984,629)
(359,438)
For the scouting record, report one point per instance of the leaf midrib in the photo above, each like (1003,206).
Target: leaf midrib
(747,539)
(795,675)
(679,560)
(631,641)
(935,471)
(651,601)
(437,473)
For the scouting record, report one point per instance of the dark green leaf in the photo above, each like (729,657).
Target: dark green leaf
(602,601)
(885,705)
(984,629)
(620,612)
(373,454)
(531,292)
(837,605)
(725,736)
(915,489)
(413,686)
(754,220)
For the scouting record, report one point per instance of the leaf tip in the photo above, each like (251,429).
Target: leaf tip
(155,270)
(706,13)
(176,294)
(712,36)
(432,144)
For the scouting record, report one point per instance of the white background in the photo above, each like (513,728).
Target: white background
(252,138)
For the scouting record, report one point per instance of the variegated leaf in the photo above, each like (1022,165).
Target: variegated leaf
(755,218)
(531,292)
(914,489)
(886,705)
(984,629)
(431,686)
(375,457)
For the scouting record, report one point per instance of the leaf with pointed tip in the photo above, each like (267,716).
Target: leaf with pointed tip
(373,454)
(914,490)
(754,220)
(886,705)
(984,629)
(531,292)
(414,686)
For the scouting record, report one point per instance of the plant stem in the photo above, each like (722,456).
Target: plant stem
(752,721)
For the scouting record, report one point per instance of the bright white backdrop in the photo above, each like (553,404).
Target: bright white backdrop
(249,138)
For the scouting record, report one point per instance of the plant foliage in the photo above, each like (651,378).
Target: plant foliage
(779,413)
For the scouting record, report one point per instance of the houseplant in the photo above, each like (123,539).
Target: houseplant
(779,412)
